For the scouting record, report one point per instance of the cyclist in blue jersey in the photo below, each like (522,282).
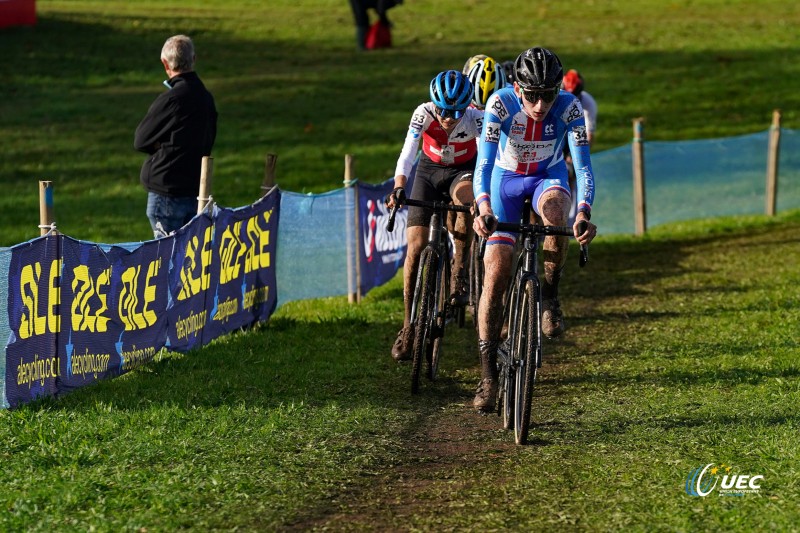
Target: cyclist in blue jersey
(520,154)
(448,129)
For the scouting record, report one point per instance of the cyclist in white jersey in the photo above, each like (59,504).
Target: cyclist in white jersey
(520,154)
(448,129)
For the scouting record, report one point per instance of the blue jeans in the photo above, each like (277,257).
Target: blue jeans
(168,214)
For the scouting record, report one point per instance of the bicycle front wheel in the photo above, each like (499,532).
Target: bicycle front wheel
(528,345)
(439,321)
(423,319)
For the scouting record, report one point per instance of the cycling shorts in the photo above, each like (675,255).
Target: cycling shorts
(509,190)
(435,183)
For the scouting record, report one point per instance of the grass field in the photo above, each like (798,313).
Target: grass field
(682,347)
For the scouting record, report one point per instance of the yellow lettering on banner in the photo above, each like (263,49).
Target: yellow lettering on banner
(257,256)
(133,314)
(190,284)
(231,251)
(54,297)
(150,292)
(84,287)
(30,323)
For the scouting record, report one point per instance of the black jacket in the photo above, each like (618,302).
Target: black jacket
(179,129)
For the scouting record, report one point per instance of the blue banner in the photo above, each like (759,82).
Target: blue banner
(381,253)
(245,241)
(113,306)
(192,279)
(34,320)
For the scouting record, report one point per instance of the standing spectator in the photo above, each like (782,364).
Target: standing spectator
(178,130)
(361,15)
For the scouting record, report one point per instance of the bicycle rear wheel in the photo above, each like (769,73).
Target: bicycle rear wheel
(528,347)
(423,319)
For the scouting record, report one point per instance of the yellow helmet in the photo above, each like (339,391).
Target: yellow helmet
(486,77)
(471,62)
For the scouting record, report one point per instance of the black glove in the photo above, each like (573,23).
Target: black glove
(399,195)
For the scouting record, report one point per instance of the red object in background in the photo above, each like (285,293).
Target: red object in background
(378,36)
(17,13)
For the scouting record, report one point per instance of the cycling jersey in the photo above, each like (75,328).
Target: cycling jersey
(513,146)
(454,149)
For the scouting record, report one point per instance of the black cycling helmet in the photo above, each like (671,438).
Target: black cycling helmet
(538,69)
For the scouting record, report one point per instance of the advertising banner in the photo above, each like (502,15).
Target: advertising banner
(192,278)
(113,309)
(34,320)
(245,241)
(381,252)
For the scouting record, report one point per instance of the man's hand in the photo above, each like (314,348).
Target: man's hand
(396,197)
(588,234)
(484,226)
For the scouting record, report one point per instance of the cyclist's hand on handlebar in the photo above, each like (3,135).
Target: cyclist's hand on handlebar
(485,224)
(396,197)
(584,230)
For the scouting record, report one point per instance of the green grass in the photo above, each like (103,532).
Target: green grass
(288,80)
(682,348)
(682,351)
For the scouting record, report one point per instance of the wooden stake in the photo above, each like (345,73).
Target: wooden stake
(206,172)
(639,203)
(354,250)
(269,173)
(46,219)
(772,163)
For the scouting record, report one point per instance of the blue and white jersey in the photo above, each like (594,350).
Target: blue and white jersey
(512,142)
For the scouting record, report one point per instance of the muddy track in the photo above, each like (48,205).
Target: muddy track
(449,438)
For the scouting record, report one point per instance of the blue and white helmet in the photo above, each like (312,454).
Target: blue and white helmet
(451,93)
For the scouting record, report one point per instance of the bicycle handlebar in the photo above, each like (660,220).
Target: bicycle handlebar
(436,206)
(538,229)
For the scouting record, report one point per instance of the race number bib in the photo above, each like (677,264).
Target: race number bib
(447,155)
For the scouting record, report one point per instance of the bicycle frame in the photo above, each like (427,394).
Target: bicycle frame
(431,290)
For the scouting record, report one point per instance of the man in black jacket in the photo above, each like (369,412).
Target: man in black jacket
(179,129)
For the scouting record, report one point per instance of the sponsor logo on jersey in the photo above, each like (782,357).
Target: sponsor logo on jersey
(517,129)
(499,109)
(532,152)
(573,112)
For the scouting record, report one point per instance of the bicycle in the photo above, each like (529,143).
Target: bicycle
(431,304)
(520,355)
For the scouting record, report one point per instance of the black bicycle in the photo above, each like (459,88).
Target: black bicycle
(520,355)
(431,305)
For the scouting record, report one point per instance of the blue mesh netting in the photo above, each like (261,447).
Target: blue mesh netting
(312,251)
(687,180)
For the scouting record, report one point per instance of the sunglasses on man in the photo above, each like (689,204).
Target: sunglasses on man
(546,96)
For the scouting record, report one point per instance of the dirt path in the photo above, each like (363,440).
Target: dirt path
(450,439)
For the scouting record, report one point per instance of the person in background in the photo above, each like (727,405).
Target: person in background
(573,83)
(361,15)
(447,127)
(178,130)
(520,154)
